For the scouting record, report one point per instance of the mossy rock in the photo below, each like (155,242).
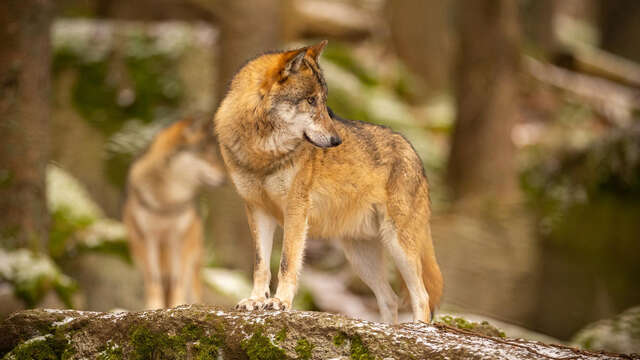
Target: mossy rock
(619,334)
(200,332)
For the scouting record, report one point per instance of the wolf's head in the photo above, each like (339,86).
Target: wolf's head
(298,97)
(289,95)
(193,151)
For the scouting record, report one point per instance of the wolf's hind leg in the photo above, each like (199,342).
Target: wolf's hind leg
(154,290)
(367,259)
(186,251)
(405,251)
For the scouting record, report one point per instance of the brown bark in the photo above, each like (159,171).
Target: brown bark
(538,25)
(183,333)
(620,28)
(481,161)
(421,35)
(24,120)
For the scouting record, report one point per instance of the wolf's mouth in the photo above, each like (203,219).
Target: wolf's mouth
(306,137)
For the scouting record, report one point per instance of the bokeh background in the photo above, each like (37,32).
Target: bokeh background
(524,112)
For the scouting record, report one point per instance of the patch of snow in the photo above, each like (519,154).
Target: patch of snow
(66,320)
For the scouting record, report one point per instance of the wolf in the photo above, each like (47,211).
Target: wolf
(317,175)
(162,222)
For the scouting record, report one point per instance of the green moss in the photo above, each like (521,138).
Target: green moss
(481,328)
(359,351)
(303,349)
(49,347)
(259,347)
(281,335)
(588,343)
(339,339)
(149,344)
(111,352)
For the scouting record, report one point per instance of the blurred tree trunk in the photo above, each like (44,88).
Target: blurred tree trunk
(538,25)
(421,35)
(247,28)
(481,162)
(24,121)
(620,27)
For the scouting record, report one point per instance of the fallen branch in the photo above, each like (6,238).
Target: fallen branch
(202,332)
(610,99)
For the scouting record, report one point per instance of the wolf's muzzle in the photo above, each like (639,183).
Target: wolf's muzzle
(334,140)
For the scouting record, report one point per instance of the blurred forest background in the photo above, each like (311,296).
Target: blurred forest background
(524,112)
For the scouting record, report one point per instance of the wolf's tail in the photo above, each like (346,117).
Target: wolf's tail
(431,275)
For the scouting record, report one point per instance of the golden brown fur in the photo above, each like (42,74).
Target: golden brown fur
(282,151)
(164,228)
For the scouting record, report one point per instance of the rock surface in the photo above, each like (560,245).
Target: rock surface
(201,332)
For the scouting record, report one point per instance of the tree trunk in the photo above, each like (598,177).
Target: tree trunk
(481,161)
(24,121)
(247,28)
(421,35)
(620,28)
(538,25)
(190,332)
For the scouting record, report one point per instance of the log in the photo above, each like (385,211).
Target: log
(203,332)
(607,98)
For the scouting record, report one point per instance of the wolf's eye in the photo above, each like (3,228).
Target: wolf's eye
(311,100)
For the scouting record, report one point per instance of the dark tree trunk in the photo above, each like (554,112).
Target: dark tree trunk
(24,120)
(620,27)
(199,332)
(247,28)
(481,162)
(538,25)
(421,35)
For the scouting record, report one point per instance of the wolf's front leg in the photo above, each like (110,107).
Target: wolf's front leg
(262,227)
(295,234)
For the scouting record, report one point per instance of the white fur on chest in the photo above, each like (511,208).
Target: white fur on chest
(163,227)
(278,185)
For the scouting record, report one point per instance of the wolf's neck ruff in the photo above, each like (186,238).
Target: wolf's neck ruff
(256,146)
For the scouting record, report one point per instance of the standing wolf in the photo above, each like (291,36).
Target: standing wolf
(317,175)
(165,231)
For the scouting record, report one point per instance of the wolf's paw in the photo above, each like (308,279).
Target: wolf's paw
(276,304)
(251,304)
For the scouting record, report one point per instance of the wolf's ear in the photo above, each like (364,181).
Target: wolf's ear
(315,50)
(294,62)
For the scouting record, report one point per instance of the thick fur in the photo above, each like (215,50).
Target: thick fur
(299,166)
(164,228)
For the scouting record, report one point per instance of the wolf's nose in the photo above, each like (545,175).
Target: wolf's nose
(335,141)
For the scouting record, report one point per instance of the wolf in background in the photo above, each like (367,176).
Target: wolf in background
(317,175)
(164,228)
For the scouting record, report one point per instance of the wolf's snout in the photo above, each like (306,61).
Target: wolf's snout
(335,140)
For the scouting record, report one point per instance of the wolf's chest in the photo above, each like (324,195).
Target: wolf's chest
(275,186)
(278,185)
